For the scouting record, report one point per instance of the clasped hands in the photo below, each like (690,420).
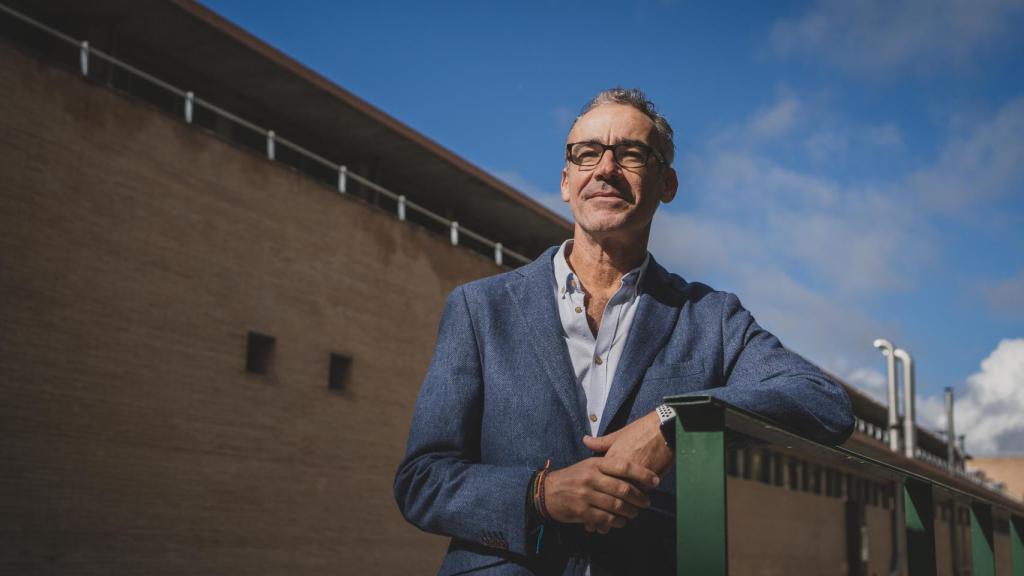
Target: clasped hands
(605,492)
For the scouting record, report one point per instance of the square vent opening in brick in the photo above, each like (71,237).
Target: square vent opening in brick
(337,377)
(259,353)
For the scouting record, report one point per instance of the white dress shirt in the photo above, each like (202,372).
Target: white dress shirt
(595,358)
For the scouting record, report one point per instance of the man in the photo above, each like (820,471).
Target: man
(537,441)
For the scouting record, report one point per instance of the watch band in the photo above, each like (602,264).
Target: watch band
(667,418)
(665,412)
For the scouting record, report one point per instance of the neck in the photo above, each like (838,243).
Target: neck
(601,262)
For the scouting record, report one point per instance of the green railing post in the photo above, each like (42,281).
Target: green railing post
(983,560)
(920,527)
(1017,545)
(701,530)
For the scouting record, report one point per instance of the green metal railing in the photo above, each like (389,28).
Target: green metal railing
(705,426)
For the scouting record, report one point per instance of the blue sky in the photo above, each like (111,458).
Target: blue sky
(852,170)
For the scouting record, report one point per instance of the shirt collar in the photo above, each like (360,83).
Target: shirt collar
(567,283)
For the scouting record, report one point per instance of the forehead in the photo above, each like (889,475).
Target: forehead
(609,123)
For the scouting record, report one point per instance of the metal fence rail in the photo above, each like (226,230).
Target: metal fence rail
(702,429)
(190,104)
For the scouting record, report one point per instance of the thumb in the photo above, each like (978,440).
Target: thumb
(600,443)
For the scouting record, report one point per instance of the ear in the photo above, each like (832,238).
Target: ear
(670,184)
(565,185)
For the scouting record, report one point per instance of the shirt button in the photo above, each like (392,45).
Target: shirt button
(578,309)
(598,361)
(593,417)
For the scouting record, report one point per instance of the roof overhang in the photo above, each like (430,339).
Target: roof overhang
(194,48)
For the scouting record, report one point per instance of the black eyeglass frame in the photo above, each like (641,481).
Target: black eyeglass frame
(648,150)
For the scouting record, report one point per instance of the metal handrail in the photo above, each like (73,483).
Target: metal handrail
(704,425)
(273,140)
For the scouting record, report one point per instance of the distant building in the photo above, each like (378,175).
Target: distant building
(1006,470)
(221,277)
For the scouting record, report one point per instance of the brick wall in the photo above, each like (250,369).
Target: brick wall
(136,252)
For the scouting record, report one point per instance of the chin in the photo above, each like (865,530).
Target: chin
(603,224)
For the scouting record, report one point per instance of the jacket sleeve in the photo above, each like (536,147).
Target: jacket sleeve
(441,486)
(764,377)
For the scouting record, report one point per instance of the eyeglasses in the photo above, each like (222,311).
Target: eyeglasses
(626,154)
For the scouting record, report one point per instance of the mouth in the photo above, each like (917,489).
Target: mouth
(607,192)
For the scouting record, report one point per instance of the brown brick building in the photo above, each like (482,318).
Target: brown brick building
(209,355)
(138,253)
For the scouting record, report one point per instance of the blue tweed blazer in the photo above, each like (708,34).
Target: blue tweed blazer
(500,398)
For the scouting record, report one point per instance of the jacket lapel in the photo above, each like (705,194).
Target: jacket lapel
(652,326)
(533,296)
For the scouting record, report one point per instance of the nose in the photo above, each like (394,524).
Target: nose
(606,166)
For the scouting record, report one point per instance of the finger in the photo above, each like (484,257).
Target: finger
(602,521)
(627,470)
(613,505)
(622,490)
(600,443)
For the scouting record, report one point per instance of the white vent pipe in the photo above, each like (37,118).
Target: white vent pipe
(894,420)
(909,421)
(950,431)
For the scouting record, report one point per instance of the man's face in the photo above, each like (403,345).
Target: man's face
(607,199)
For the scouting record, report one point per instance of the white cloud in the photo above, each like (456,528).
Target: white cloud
(776,120)
(807,254)
(734,179)
(1006,297)
(984,164)
(991,412)
(847,237)
(825,144)
(883,36)
(836,140)
(816,323)
(873,382)
(883,136)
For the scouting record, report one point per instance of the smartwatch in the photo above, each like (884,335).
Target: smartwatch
(667,416)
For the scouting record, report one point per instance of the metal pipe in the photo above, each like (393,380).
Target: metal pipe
(909,428)
(190,100)
(894,419)
(83,58)
(950,431)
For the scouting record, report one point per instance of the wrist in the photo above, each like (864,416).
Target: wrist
(537,512)
(538,494)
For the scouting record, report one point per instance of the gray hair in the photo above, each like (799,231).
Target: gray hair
(637,99)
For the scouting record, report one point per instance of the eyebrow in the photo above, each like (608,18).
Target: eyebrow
(634,142)
(629,141)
